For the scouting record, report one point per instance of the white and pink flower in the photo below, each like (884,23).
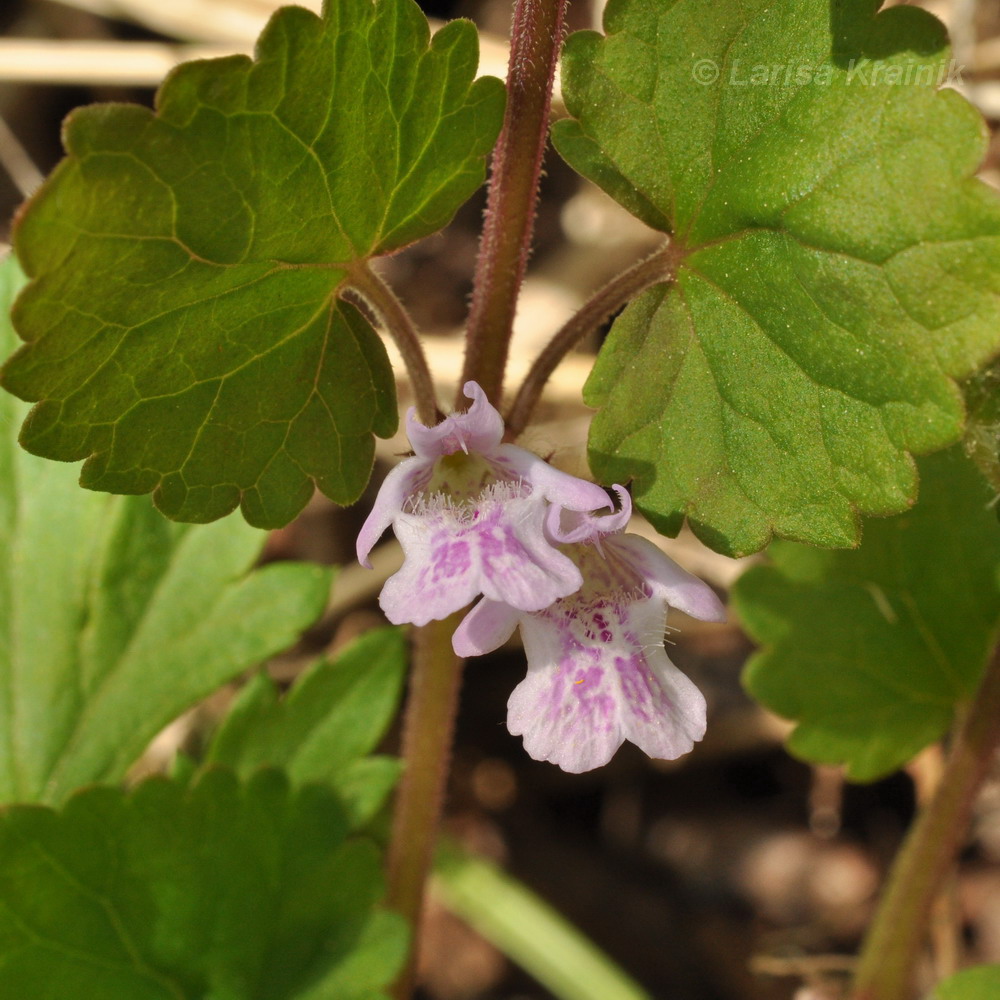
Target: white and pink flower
(476,517)
(470,513)
(598,673)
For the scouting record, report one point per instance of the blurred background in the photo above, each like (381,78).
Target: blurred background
(736,873)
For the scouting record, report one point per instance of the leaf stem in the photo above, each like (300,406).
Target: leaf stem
(365,285)
(659,267)
(536,37)
(898,932)
(435,679)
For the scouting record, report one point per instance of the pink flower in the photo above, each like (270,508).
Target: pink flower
(470,514)
(598,673)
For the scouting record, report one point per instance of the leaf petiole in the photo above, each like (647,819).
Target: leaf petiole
(365,285)
(659,267)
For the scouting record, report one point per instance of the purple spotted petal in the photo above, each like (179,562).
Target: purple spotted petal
(485,628)
(666,580)
(451,556)
(479,429)
(403,481)
(599,676)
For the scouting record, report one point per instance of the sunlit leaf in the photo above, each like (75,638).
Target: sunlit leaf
(183,327)
(323,727)
(982,982)
(221,891)
(836,267)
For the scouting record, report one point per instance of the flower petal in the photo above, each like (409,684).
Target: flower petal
(485,628)
(480,428)
(557,487)
(597,677)
(570,527)
(500,552)
(663,712)
(402,482)
(520,567)
(679,588)
(563,708)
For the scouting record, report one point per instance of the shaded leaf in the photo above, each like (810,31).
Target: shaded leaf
(836,267)
(183,330)
(321,729)
(221,891)
(871,652)
(113,621)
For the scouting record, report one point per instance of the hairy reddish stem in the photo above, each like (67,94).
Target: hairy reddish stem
(927,857)
(536,37)
(435,680)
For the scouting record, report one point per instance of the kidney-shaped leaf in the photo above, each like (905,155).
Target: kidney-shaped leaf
(184,333)
(835,267)
(227,891)
(870,652)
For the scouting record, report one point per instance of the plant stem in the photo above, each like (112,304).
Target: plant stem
(658,267)
(536,37)
(435,679)
(364,284)
(921,869)
(436,672)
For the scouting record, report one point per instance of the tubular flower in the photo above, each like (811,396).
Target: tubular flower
(598,673)
(470,514)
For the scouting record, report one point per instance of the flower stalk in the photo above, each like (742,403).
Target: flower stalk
(429,722)
(927,857)
(536,38)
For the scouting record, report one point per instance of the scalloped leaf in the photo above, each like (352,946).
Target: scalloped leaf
(871,652)
(113,620)
(836,267)
(221,890)
(183,330)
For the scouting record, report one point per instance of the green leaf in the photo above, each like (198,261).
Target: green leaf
(870,652)
(217,892)
(320,731)
(836,266)
(114,621)
(982,982)
(183,330)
